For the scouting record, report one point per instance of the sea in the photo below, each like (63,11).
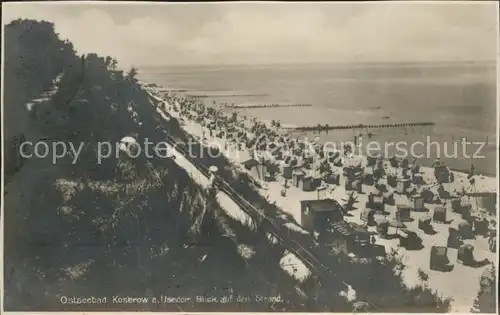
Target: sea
(459,98)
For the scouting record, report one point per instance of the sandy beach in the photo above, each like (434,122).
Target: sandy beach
(462,288)
(251,157)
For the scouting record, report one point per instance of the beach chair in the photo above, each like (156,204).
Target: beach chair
(465,255)
(394,161)
(349,185)
(439,215)
(371,161)
(402,185)
(382,227)
(389,198)
(403,213)
(287,171)
(481,226)
(492,244)
(405,164)
(333,179)
(456,205)
(465,207)
(378,172)
(358,186)
(454,240)
(424,222)
(297,175)
(418,179)
(418,202)
(439,260)
(367,176)
(409,239)
(442,173)
(337,162)
(376,203)
(392,180)
(428,196)
(465,230)
(348,172)
(415,169)
(367,216)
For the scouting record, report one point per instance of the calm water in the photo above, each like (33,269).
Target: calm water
(459,98)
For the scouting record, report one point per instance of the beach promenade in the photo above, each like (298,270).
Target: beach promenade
(300,261)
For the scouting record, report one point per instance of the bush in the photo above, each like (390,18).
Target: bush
(422,275)
(485,301)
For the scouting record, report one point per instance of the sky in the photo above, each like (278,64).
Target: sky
(264,33)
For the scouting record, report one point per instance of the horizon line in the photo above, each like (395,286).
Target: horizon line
(319,63)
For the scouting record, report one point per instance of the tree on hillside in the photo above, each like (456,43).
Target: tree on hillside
(131,75)
(108,62)
(118,75)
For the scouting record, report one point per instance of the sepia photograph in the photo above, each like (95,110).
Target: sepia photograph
(334,157)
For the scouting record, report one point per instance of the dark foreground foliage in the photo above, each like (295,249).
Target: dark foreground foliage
(128,227)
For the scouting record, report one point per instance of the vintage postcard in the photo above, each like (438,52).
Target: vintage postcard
(250,157)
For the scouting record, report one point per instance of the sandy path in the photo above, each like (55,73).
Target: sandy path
(290,263)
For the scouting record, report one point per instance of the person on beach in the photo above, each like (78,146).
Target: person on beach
(471,171)
(283,192)
(437,162)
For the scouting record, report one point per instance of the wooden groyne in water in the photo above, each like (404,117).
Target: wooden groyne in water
(225,95)
(363,126)
(269,105)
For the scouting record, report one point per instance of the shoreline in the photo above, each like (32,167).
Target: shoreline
(295,131)
(487,183)
(340,136)
(446,284)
